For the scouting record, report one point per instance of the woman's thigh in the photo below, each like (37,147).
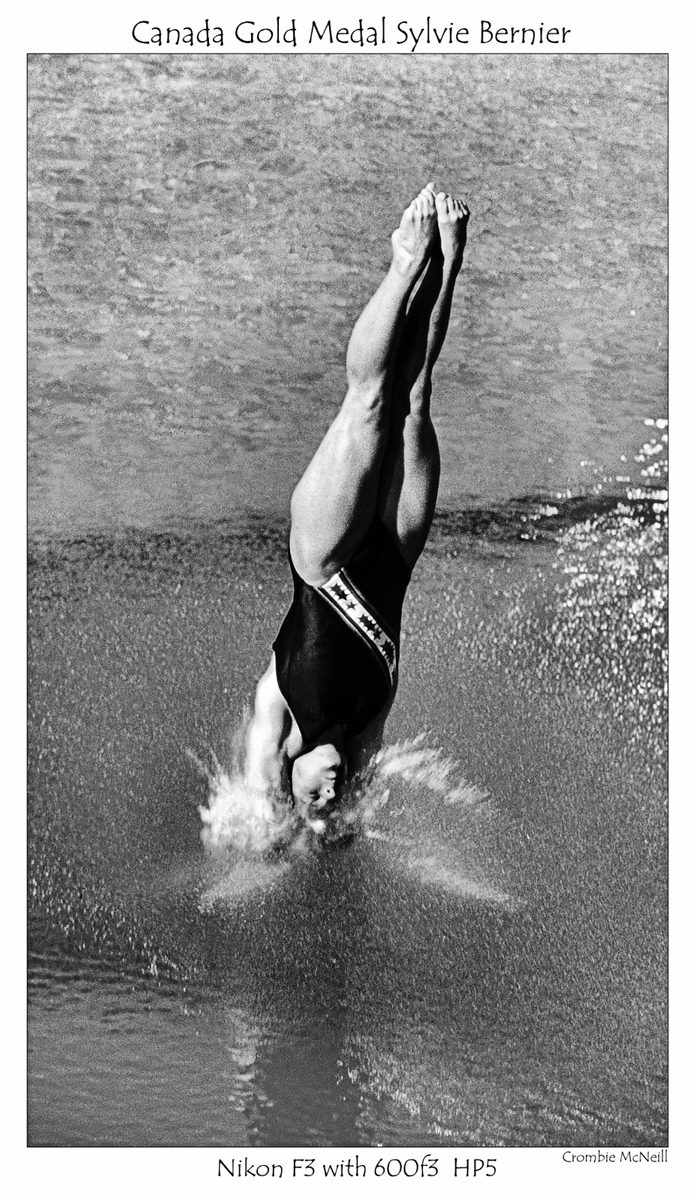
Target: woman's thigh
(334,503)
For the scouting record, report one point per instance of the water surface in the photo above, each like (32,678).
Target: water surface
(205,230)
(485,963)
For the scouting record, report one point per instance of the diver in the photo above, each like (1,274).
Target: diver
(360,517)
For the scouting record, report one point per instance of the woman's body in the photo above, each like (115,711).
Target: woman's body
(360,518)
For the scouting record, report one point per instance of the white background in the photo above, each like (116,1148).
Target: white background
(667,27)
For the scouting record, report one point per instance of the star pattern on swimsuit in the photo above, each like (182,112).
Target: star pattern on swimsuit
(341,595)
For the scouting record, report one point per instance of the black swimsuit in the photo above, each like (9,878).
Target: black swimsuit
(337,650)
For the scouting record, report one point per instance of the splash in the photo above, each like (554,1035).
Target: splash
(417,763)
(256,837)
(461,867)
(239,817)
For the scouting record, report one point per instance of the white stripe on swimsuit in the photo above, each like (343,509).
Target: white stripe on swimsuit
(344,597)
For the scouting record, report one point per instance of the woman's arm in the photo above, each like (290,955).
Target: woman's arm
(266,734)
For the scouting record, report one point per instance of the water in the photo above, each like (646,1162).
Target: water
(485,962)
(197,261)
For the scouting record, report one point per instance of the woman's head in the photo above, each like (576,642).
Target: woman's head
(318,776)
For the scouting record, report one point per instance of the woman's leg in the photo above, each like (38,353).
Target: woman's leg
(334,503)
(410,469)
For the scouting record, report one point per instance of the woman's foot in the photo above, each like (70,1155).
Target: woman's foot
(413,239)
(452,219)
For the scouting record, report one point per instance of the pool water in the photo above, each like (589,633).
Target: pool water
(485,962)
